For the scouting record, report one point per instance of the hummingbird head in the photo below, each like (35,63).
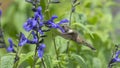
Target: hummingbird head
(67,29)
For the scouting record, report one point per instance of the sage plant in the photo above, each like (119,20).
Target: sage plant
(35,26)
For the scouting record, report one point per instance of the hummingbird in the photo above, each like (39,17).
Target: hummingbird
(71,34)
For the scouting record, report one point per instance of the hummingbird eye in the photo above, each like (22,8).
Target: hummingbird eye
(66,29)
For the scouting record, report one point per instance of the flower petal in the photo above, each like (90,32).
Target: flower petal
(30,24)
(59,27)
(39,10)
(53,17)
(41,32)
(117,54)
(35,39)
(41,50)
(63,21)
(23,40)
(10,42)
(0,13)
(10,48)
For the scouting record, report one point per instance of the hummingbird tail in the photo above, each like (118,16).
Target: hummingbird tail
(88,45)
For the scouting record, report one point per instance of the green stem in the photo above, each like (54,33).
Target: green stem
(35,57)
(110,66)
(70,17)
(43,63)
(2,36)
(68,43)
(36,48)
(57,55)
(55,48)
(47,9)
(16,60)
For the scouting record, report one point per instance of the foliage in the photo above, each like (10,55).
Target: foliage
(92,19)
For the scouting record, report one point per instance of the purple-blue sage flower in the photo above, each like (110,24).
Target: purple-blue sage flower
(30,24)
(41,50)
(116,58)
(0,13)
(53,17)
(52,20)
(63,21)
(41,24)
(39,10)
(38,14)
(10,48)
(23,40)
(35,39)
(41,32)
(52,24)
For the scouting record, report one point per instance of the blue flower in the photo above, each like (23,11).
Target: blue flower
(38,14)
(10,48)
(63,21)
(39,9)
(41,24)
(53,17)
(23,40)
(41,50)
(41,32)
(51,23)
(0,12)
(116,58)
(35,39)
(30,24)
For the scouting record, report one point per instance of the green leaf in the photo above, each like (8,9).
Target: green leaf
(7,62)
(80,60)
(84,27)
(48,61)
(25,57)
(97,63)
(61,44)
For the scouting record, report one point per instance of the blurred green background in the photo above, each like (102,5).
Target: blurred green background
(96,20)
